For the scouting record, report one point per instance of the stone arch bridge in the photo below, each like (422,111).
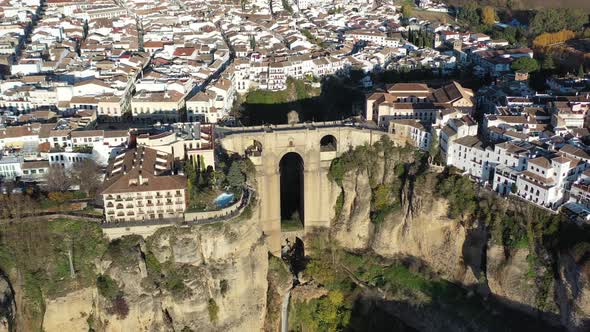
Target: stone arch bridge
(316,144)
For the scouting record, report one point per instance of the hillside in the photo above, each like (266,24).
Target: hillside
(527,4)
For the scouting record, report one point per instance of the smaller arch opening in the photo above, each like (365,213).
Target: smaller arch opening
(328,143)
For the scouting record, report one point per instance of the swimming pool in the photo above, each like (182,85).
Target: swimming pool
(223,200)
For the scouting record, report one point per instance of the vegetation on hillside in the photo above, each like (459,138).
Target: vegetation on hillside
(404,162)
(328,313)
(296,90)
(43,254)
(557,19)
(511,223)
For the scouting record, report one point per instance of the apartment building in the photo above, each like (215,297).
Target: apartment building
(34,170)
(543,180)
(10,167)
(469,154)
(417,101)
(141,185)
(568,115)
(373,36)
(410,132)
(157,106)
(537,175)
(184,141)
(453,129)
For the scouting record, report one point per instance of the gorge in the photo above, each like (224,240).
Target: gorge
(407,245)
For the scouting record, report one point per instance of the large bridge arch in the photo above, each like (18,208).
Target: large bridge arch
(292,186)
(317,147)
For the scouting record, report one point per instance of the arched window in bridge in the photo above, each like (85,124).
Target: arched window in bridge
(328,143)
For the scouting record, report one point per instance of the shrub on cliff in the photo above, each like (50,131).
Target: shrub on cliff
(213,310)
(328,313)
(107,287)
(460,192)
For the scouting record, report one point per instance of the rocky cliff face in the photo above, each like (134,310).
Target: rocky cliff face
(7,305)
(573,290)
(418,227)
(222,270)
(460,250)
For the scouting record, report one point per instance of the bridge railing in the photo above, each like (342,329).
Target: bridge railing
(298,126)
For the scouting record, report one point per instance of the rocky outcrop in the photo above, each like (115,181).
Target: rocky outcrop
(223,288)
(280,282)
(573,291)
(507,277)
(463,251)
(418,228)
(430,236)
(71,312)
(354,228)
(7,305)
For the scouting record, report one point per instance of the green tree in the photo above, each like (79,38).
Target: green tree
(548,62)
(433,149)
(525,64)
(468,14)
(107,287)
(328,313)
(235,177)
(557,19)
(407,10)
(202,163)
(581,71)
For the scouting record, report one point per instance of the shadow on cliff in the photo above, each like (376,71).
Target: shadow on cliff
(437,305)
(373,313)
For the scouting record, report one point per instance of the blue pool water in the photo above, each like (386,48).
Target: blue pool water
(224,200)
